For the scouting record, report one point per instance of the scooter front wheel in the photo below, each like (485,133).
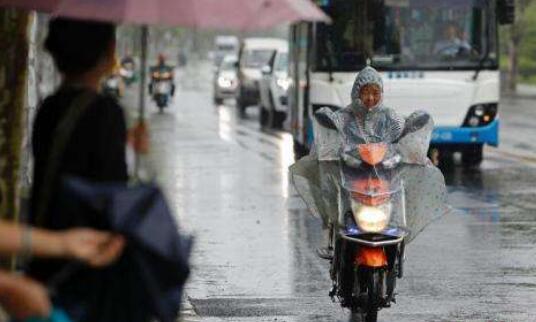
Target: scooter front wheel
(375,290)
(364,317)
(369,305)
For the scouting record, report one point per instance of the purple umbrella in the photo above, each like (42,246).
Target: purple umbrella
(220,14)
(217,14)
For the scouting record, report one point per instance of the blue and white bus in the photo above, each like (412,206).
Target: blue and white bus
(440,56)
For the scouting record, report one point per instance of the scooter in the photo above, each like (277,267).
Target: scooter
(369,237)
(111,86)
(128,75)
(161,88)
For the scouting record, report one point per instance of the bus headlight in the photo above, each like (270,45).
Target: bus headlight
(371,219)
(481,115)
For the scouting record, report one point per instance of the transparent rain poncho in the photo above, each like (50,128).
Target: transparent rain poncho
(317,177)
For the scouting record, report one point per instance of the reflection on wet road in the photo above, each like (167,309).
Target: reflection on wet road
(254,256)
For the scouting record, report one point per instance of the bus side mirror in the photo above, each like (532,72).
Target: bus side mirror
(323,118)
(266,70)
(506,12)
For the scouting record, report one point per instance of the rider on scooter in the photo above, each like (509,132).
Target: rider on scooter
(162,69)
(373,120)
(365,120)
(369,179)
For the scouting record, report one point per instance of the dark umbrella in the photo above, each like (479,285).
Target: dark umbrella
(156,259)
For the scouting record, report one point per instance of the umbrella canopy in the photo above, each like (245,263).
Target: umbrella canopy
(220,14)
(207,14)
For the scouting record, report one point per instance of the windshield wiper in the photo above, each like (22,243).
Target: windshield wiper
(485,57)
(480,66)
(330,58)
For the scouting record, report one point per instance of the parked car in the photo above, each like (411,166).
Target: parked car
(225,79)
(254,54)
(273,90)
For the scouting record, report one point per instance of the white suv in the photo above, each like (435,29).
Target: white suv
(254,54)
(273,90)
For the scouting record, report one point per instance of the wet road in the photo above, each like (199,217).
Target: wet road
(254,257)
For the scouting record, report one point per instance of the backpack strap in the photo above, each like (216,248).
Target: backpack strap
(62,134)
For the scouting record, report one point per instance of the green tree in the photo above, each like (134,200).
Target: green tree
(516,35)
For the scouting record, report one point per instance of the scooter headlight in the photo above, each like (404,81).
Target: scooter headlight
(371,219)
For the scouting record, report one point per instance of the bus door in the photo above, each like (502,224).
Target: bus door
(299,73)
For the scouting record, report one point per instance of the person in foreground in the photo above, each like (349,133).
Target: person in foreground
(77,132)
(24,298)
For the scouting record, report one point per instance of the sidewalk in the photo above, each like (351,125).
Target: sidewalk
(523,91)
(518,124)
(188,313)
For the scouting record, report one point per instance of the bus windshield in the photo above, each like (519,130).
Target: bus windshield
(406,34)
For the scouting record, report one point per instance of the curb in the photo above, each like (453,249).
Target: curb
(523,91)
(518,154)
(188,313)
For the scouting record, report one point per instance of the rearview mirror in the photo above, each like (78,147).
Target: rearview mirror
(324,119)
(266,70)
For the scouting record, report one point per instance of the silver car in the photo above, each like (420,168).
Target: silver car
(225,79)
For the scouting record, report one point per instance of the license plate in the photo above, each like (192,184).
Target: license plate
(163,88)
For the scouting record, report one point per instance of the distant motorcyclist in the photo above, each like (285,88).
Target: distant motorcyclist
(162,71)
(128,70)
(114,84)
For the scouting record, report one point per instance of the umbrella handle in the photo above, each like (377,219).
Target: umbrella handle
(143,82)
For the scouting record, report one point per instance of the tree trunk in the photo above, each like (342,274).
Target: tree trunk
(512,65)
(13,84)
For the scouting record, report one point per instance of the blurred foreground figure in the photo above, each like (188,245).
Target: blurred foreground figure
(24,298)
(79,144)
(77,132)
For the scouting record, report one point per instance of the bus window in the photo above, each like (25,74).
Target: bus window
(405,34)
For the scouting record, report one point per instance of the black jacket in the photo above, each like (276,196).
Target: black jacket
(95,151)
